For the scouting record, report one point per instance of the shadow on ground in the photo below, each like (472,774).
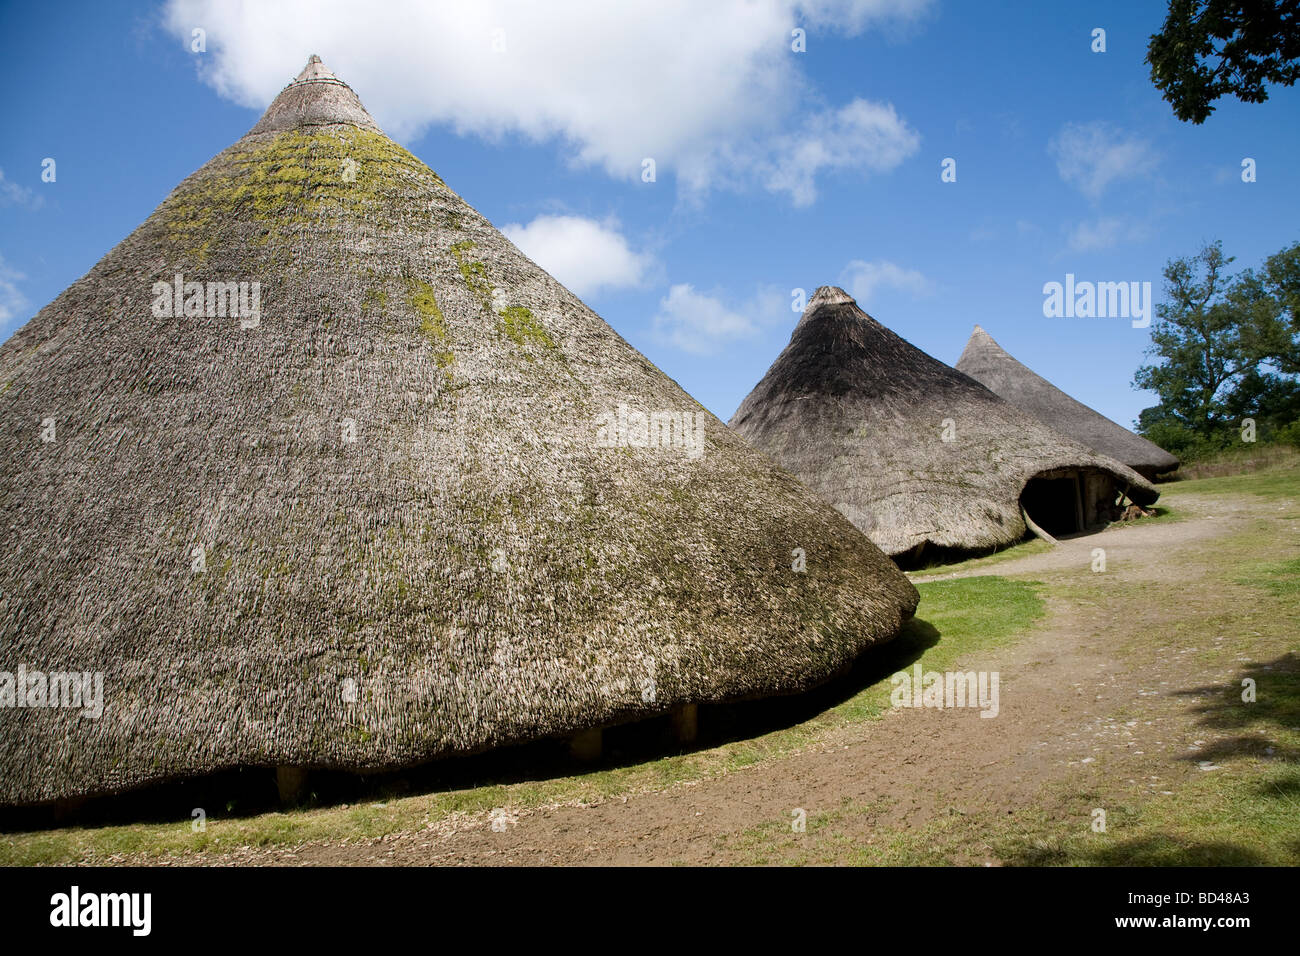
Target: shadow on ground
(247,791)
(1275,710)
(1155,850)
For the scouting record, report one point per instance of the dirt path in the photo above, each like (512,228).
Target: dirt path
(1138,544)
(1061,689)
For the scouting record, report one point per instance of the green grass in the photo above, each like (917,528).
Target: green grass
(982,611)
(1283,579)
(1241,458)
(1276,482)
(956,618)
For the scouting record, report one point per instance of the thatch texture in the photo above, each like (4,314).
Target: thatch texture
(861,416)
(990,365)
(474,569)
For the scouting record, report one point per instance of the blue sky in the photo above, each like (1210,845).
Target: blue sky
(775,170)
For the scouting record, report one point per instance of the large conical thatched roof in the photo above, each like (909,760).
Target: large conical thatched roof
(861,416)
(989,364)
(379,522)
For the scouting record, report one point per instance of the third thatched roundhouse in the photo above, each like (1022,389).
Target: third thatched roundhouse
(990,365)
(915,453)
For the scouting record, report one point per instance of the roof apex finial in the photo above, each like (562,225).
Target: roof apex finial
(315,97)
(314,70)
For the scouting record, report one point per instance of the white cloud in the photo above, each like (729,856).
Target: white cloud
(863,135)
(1091,156)
(1104,233)
(708,90)
(703,324)
(863,280)
(12,301)
(583,254)
(11,194)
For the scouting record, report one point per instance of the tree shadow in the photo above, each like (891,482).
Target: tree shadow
(1286,788)
(1155,850)
(1276,708)
(1218,707)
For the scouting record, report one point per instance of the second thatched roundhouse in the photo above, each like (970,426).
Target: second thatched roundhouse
(913,452)
(990,365)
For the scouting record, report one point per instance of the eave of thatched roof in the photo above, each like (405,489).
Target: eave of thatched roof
(860,415)
(989,364)
(474,569)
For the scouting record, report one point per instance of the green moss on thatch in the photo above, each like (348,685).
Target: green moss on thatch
(523,328)
(432,324)
(519,323)
(473,272)
(288,181)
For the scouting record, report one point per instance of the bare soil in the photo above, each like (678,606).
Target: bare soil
(1079,708)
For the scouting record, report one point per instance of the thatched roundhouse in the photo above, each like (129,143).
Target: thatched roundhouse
(913,452)
(405,498)
(990,365)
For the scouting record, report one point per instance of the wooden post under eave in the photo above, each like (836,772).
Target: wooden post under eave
(686,723)
(586,744)
(292,784)
(1032,526)
(1078,503)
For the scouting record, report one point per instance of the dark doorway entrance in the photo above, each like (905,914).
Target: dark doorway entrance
(1053,504)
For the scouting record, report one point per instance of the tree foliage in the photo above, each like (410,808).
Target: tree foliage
(1227,349)
(1211,48)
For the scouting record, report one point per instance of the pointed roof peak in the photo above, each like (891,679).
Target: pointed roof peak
(835,299)
(981,335)
(316,71)
(830,295)
(1011,380)
(315,97)
(981,341)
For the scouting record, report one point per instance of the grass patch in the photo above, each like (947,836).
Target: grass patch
(1243,458)
(982,611)
(1279,481)
(1282,580)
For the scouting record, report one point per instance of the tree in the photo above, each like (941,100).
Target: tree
(1281,281)
(1210,48)
(1198,338)
(1228,349)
